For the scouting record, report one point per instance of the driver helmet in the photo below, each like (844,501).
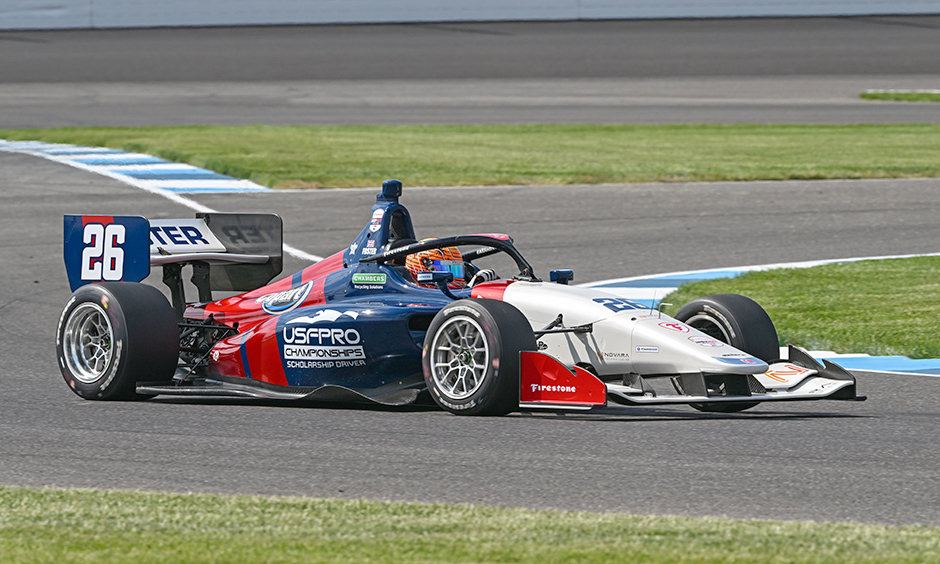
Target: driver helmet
(446,259)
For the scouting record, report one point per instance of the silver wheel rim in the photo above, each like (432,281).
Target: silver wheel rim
(707,325)
(460,357)
(88,342)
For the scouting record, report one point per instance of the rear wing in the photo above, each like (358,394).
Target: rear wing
(233,252)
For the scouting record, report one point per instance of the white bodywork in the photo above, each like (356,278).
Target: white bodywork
(626,337)
(629,339)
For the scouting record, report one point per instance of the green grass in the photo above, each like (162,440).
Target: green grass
(321,156)
(881,307)
(80,526)
(902,95)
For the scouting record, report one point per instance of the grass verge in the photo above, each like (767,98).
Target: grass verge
(326,156)
(66,526)
(879,307)
(902,95)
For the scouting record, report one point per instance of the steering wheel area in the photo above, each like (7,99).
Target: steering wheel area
(486,245)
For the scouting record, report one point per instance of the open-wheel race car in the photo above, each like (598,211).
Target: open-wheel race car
(390,318)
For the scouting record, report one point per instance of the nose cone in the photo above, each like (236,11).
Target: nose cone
(663,345)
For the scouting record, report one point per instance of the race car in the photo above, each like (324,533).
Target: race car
(391,319)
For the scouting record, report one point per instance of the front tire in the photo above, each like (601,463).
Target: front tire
(471,356)
(738,321)
(112,335)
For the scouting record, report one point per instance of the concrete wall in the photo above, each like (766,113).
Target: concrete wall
(56,14)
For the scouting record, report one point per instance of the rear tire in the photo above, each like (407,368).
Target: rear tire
(471,356)
(113,335)
(738,321)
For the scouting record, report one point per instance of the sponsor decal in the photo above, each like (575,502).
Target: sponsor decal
(544,388)
(375,227)
(215,356)
(733,355)
(282,302)
(254,234)
(368,251)
(324,315)
(308,347)
(183,236)
(307,352)
(320,365)
(615,355)
(368,278)
(746,360)
(785,374)
(706,342)
(369,281)
(321,336)
(319,343)
(619,304)
(377,215)
(678,327)
(642,349)
(821,388)
(542,346)
(406,250)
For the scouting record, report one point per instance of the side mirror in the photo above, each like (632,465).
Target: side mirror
(440,278)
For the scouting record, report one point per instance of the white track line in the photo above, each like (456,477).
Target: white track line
(173,197)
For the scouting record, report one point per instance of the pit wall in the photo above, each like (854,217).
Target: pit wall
(60,14)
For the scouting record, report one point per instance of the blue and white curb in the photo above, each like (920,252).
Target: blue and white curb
(146,172)
(650,290)
(136,169)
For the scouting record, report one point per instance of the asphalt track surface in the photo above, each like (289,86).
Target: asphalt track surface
(787,70)
(872,462)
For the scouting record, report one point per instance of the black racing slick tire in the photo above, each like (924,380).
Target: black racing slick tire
(113,335)
(738,321)
(471,356)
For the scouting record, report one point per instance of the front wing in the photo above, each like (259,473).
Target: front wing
(548,384)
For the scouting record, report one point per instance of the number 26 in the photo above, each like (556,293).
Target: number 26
(104,258)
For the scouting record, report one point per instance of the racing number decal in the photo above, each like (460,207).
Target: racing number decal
(619,304)
(103,248)
(104,258)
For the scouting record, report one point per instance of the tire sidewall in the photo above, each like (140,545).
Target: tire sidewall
(108,385)
(500,322)
(748,326)
(144,339)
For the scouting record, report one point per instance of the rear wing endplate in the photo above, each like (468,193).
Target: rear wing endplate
(233,252)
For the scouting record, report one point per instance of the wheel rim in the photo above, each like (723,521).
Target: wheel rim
(710,327)
(87,342)
(460,358)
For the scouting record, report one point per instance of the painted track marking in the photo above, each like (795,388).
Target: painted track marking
(146,173)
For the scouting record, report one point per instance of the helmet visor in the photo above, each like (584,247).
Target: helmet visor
(455,267)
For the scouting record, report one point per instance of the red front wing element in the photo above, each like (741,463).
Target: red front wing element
(548,383)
